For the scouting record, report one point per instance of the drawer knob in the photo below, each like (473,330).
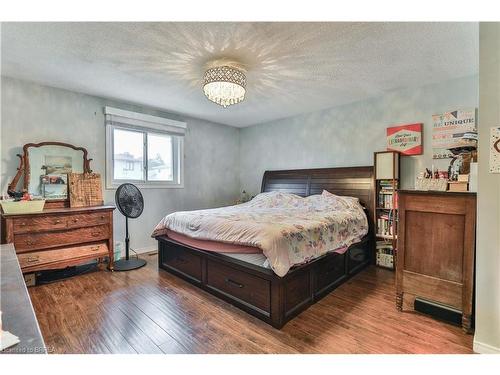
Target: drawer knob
(103,217)
(75,220)
(23,224)
(33,259)
(57,222)
(96,234)
(181,260)
(94,248)
(30,242)
(234,283)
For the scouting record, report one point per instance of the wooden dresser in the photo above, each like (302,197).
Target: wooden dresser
(436,246)
(60,237)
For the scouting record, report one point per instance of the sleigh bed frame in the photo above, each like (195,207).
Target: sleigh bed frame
(259,291)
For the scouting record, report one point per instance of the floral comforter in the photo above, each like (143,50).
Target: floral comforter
(289,229)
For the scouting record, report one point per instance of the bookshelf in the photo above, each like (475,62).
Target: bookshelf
(386,166)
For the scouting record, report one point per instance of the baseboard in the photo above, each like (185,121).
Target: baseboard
(144,250)
(482,348)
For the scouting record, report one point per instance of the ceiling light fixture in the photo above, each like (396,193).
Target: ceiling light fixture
(224,85)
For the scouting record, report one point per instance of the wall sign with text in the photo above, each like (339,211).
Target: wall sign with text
(407,139)
(448,129)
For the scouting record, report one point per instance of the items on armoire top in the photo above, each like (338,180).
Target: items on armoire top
(462,171)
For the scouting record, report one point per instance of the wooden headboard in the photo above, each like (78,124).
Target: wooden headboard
(351,181)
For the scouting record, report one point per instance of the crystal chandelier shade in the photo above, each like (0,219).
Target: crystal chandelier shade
(224,85)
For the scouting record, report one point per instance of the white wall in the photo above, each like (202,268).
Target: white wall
(35,113)
(487,335)
(348,135)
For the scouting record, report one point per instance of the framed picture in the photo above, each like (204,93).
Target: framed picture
(55,164)
(54,186)
(407,139)
(448,129)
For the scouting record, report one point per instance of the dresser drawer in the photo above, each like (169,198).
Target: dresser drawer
(85,220)
(58,258)
(37,241)
(39,223)
(184,262)
(253,291)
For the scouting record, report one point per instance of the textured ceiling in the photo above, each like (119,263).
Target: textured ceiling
(291,68)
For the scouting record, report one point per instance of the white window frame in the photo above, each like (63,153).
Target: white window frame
(145,124)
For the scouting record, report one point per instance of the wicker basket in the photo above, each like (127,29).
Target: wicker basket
(85,189)
(437,184)
(22,207)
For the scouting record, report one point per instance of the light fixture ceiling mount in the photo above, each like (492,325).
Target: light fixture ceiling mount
(225,85)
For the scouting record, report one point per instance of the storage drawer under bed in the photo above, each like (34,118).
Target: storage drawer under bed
(184,262)
(240,286)
(358,256)
(330,270)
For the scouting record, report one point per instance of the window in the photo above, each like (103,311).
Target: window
(142,149)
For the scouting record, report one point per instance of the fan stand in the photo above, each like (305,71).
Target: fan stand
(128,264)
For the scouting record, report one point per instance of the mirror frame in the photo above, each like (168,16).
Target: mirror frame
(24,169)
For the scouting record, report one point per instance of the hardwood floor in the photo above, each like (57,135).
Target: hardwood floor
(151,311)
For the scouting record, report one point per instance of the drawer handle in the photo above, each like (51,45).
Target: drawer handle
(181,260)
(33,259)
(75,220)
(333,270)
(30,242)
(234,283)
(96,234)
(94,248)
(23,224)
(57,222)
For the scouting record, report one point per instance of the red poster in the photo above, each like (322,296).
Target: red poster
(407,139)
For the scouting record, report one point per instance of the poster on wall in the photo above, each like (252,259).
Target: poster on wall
(495,149)
(448,128)
(407,139)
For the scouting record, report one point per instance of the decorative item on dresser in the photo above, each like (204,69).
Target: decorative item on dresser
(59,235)
(385,201)
(436,246)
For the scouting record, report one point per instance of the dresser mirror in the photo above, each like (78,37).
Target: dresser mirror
(45,167)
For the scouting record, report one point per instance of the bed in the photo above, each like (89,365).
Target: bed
(273,294)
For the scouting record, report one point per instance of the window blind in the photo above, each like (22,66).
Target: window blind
(120,117)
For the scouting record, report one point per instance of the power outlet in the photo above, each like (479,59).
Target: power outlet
(30,279)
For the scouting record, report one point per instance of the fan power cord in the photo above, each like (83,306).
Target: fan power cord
(135,252)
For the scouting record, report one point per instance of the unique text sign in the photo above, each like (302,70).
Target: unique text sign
(448,129)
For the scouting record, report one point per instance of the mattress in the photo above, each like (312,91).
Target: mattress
(255,259)
(216,246)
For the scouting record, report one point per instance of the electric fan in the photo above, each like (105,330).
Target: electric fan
(130,203)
